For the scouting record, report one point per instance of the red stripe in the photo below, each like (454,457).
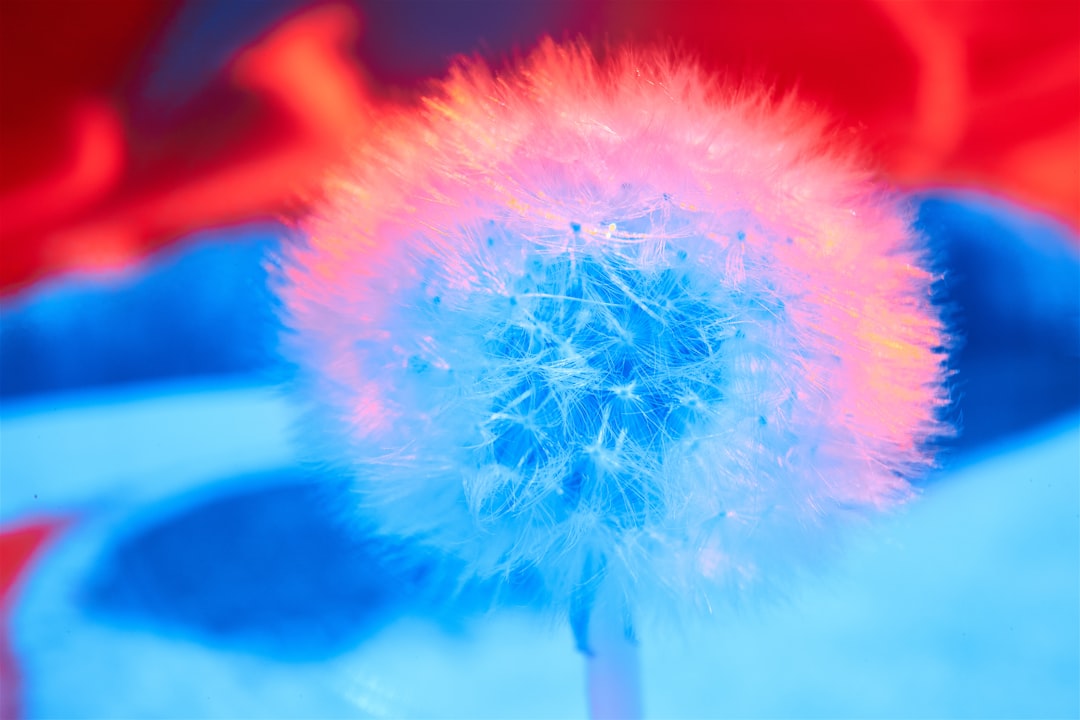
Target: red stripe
(19,544)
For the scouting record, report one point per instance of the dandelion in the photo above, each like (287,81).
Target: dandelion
(648,336)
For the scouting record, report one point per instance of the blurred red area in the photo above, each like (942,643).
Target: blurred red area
(973,94)
(83,187)
(18,546)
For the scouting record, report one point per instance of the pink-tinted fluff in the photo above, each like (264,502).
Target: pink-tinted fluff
(615,322)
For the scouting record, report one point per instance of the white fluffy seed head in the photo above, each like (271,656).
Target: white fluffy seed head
(614,322)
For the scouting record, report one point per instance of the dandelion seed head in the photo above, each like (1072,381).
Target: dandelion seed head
(615,321)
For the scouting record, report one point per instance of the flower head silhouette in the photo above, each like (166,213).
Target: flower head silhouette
(617,323)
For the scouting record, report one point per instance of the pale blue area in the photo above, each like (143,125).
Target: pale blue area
(966,605)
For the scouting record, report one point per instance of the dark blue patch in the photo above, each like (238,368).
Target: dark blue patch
(267,569)
(281,567)
(418,365)
(1012,289)
(199,309)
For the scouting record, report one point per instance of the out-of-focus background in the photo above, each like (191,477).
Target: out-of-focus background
(163,550)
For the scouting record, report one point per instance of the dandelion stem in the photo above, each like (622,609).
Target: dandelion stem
(612,667)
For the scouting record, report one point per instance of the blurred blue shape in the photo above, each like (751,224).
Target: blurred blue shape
(272,565)
(265,568)
(1012,278)
(200,309)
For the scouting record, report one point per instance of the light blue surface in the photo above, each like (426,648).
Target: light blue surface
(966,605)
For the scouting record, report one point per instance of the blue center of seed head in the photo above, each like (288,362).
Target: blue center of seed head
(603,368)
